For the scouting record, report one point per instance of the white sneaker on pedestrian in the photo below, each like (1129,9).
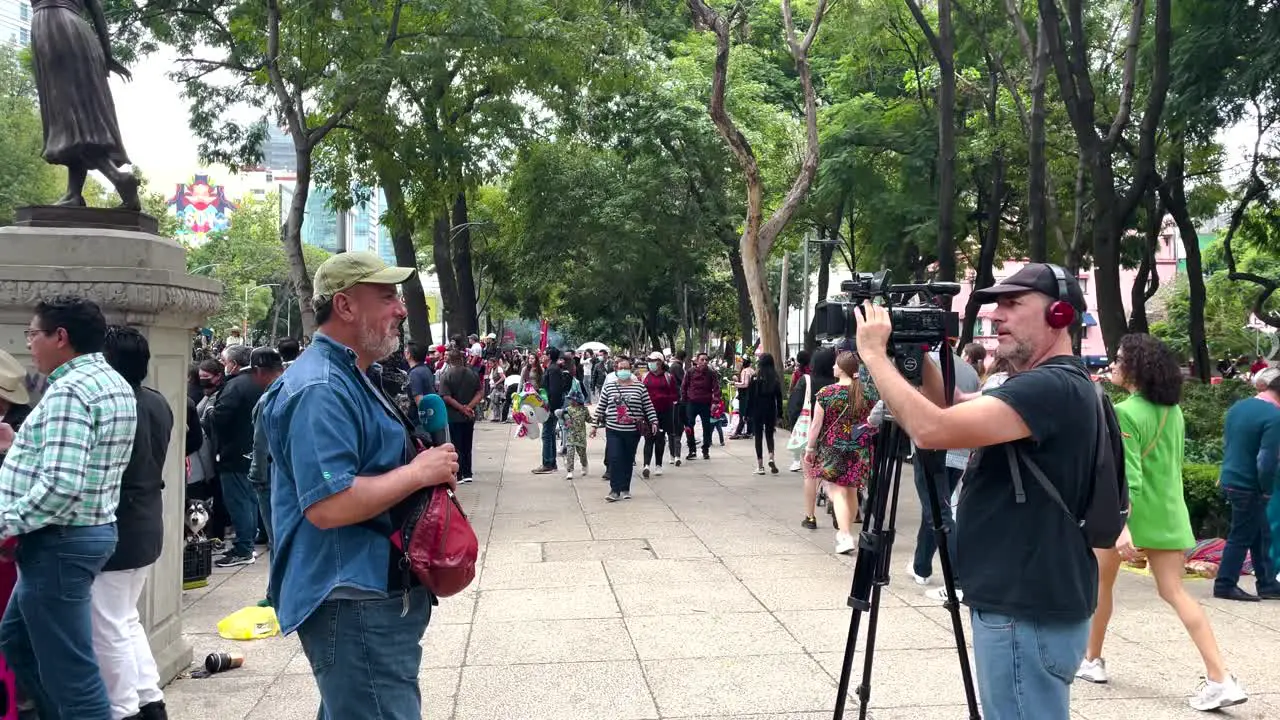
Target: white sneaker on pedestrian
(919,580)
(760,470)
(1095,671)
(465,480)
(795,466)
(939,594)
(568,476)
(1215,696)
(657,470)
(844,543)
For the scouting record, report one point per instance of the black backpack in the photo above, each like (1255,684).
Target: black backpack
(1107,510)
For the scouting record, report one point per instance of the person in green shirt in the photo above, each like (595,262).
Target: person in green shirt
(1152,426)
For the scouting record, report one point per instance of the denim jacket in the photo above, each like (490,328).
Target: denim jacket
(325,427)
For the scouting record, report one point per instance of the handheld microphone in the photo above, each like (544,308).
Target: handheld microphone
(435,418)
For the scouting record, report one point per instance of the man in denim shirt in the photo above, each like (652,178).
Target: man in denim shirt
(340,463)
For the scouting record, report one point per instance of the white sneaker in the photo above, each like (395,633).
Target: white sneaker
(760,470)
(568,476)
(795,466)
(1095,671)
(1215,696)
(657,470)
(940,594)
(844,543)
(465,480)
(911,570)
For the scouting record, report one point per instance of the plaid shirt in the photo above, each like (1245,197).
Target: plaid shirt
(66,463)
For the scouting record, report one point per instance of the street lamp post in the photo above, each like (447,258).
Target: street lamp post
(245,329)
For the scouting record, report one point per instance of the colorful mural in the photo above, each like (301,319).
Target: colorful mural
(201,208)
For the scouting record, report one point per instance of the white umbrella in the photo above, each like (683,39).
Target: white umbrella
(593,346)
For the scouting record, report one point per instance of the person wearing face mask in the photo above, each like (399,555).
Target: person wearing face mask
(663,392)
(203,481)
(230,420)
(624,404)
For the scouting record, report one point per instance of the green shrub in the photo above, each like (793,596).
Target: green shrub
(1203,407)
(1210,514)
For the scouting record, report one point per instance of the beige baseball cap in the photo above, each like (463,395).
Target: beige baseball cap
(346,270)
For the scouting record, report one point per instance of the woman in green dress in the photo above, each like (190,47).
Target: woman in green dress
(1152,426)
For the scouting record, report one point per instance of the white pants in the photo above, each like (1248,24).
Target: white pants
(124,653)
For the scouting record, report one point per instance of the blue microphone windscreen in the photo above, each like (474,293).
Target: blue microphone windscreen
(432,411)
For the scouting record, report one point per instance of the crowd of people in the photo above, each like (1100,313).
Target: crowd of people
(316,451)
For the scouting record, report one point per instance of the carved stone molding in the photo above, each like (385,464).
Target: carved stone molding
(132,298)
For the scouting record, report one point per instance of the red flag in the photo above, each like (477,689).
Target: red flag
(542,338)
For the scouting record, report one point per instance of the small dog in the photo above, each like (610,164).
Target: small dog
(197,516)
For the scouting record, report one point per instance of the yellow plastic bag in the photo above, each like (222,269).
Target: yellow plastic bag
(251,623)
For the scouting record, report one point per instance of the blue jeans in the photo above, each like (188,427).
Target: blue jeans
(242,507)
(365,656)
(620,453)
(549,443)
(1273,519)
(945,480)
(1250,533)
(47,631)
(263,493)
(1025,667)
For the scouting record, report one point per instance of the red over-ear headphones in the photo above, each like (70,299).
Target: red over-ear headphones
(1060,313)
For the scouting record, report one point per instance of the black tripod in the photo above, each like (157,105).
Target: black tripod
(871,572)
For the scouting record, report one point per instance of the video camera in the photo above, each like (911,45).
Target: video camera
(917,329)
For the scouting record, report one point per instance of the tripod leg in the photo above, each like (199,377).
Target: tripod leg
(873,551)
(952,604)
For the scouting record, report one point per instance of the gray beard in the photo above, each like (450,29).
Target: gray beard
(375,344)
(1018,355)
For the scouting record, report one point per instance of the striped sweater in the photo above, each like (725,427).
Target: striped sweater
(621,406)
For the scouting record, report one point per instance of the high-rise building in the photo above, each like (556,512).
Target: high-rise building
(15,22)
(359,228)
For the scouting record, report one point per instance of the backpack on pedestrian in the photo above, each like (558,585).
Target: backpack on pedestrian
(1107,509)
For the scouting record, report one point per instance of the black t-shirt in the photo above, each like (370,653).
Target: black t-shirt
(1029,560)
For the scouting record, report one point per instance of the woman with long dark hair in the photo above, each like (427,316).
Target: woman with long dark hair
(838,451)
(1153,430)
(822,372)
(766,408)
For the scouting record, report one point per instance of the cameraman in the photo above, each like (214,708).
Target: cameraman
(1030,576)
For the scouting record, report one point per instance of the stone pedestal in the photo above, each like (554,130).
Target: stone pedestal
(138,279)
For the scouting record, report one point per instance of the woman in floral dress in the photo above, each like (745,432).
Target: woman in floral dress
(838,451)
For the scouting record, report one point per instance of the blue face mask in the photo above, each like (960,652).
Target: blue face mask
(653,367)
(624,375)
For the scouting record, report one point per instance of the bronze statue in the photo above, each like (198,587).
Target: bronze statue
(72,60)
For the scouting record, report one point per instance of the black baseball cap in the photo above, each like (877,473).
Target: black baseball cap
(1036,277)
(267,358)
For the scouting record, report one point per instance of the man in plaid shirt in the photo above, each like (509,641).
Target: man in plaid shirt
(59,488)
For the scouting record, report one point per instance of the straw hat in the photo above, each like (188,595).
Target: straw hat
(13,380)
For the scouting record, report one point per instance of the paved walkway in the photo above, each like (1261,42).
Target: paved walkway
(701,597)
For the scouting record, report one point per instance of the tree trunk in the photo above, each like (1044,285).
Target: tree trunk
(281,299)
(1037,161)
(1138,294)
(827,251)
(783,305)
(461,244)
(401,231)
(744,296)
(757,237)
(983,273)
(946,149)
(1173,194)
(299,274)
(455,321)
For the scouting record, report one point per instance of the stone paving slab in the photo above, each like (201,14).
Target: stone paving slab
(700,599)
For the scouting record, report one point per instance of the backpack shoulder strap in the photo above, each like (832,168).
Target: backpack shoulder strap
(1040,478)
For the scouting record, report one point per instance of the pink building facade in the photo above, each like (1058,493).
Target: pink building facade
(1168,253)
